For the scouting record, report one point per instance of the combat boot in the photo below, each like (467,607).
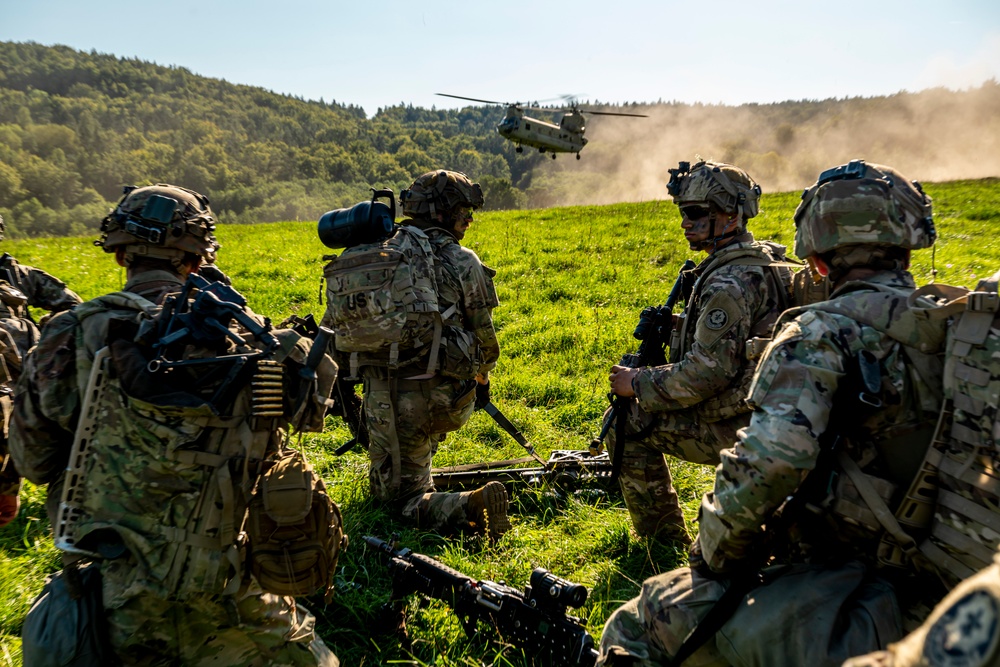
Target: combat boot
(487,508)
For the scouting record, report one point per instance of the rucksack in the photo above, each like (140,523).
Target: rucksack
(204,420)
(295,529)
(961,472)
(382,301)
(948,520)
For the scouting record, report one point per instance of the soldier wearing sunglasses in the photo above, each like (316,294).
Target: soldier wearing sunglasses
(692,406)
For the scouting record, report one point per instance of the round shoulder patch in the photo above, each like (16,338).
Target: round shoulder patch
(716,319)
(966,634)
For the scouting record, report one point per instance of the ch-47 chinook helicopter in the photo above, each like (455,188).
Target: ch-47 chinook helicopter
(566,137)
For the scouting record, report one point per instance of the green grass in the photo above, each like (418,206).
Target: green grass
(571,283)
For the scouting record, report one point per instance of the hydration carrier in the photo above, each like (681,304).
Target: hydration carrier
(382,301)
(184,410)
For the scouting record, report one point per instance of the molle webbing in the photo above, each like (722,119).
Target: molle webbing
(751,255)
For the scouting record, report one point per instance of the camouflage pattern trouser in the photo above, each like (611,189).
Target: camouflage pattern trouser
(262,630)
(645,479)
(807,616)
(423,413)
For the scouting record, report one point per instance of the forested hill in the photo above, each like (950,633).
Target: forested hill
(75,127)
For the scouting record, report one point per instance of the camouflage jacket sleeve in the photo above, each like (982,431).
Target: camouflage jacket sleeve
(715,359)
(46,404)
(44,290)
(792,394)
(471,287)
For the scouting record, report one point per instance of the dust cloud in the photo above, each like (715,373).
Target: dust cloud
(933,135)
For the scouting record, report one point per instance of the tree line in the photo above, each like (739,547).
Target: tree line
(77,126)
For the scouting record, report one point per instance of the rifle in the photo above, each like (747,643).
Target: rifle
(565,467)
(653,330)
(347,404)
(534,621)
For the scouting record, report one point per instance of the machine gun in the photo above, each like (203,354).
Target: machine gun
(565,467)
(347,404)
(534,621)
(653,330)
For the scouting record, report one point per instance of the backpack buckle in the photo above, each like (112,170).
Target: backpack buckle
(983,302)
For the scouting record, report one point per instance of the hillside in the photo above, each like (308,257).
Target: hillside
(76,126)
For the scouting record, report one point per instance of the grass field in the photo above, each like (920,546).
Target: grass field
(571,283)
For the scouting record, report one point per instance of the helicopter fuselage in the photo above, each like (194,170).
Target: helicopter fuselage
(528,131)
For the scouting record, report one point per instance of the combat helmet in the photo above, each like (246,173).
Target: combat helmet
(161,221)
(863,204)
(440,192)
(728,188)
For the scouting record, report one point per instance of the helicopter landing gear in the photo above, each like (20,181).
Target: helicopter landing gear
(577,156)
(519,149)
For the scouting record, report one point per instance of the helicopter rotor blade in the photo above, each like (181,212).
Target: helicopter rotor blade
(613,113)
(473,99)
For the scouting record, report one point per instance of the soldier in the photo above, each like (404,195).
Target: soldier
(692,406)
(175,440)
(846,386)
(20,286)
(406,422)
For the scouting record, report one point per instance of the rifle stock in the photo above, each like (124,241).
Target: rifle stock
(534,621)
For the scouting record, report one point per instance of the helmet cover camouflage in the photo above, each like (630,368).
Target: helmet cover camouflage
(863,204)
(162,221)
(440,192)
(728,187)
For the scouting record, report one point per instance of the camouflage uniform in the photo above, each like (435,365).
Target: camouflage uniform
(826,582)
(964,629)
(165,594)
(426,409)
(41,290)
(691,408)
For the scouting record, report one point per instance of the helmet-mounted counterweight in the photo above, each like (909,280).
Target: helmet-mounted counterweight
(863,204)
(160,221)
(440,192)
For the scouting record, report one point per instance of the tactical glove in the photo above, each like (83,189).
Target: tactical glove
(482,395)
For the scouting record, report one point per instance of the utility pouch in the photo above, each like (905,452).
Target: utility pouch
(459,357)
(295,530)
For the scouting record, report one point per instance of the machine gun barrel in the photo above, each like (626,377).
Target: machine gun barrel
(534,621)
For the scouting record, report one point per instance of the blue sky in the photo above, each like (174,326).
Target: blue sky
(376,53)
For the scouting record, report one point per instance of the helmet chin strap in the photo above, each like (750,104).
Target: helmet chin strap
(713,240)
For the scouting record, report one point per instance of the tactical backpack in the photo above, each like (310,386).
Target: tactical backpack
(955,499)
(205,422)
(948,519)
(381,302)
